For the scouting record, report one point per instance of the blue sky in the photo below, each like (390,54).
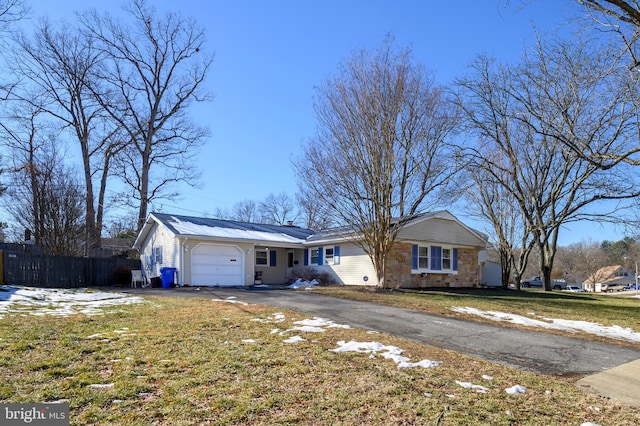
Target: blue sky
(271,54)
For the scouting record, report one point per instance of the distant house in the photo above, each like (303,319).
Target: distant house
(431,250)
(615,275)
(110,247)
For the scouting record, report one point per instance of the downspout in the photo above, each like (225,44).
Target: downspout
(183,249)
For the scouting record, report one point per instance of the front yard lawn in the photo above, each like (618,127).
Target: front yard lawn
(177,361)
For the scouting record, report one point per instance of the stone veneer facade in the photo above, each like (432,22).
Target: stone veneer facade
(399,270)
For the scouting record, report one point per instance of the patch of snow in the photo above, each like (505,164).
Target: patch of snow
(299,283)
(589,424)
(425,363)
(486,377)
(294,339)
(613,332)
(388,352)
(469,385)
(320,322)
(59,302)
(248,341)
(306,329)
(106,386)
(93,336)
(230,301)
(516,390)
(315,325)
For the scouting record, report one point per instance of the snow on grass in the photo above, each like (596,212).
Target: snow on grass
(613,332)
(516,390)
(388,352)
(59,302)
(231,299)
(315,325)
(294,339)
(469,385)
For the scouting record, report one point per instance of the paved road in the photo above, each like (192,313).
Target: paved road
(539,352)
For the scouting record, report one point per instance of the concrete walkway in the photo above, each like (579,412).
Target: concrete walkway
(611,369)
(621,383)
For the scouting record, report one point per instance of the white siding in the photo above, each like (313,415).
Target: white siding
(160,237)
(354,266)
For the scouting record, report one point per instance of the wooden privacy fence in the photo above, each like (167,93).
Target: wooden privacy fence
(38,270)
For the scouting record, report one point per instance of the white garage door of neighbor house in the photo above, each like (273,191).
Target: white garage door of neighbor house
(217,265)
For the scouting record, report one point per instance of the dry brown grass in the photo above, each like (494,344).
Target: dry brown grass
(188,362)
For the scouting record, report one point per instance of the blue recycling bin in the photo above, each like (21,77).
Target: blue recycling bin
(167,276)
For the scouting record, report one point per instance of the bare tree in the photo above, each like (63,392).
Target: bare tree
(582,260)
(380,154)
(315,214)
(278,209)
(44,196)
(11,11)
(246,211)
(620,17)
(26,143)
(60,64)
(493,203)
(528,112)
(154,72)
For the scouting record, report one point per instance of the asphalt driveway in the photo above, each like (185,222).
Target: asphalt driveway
(535,351)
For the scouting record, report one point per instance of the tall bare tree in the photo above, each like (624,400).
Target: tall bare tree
(621,20)
(58,65)
(44,196)
(154,71)
(564,91)
(278,209)
(314,215)
(27,143)
(492,202)
(246,211)
(380,153)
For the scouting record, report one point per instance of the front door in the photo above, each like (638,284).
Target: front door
(290,262)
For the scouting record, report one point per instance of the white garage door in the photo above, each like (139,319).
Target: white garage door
(217,265)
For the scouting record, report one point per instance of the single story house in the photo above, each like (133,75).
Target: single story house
(608,277)
(431,250)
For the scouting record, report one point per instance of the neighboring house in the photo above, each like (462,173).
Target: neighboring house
(110,247)
(431,250)
(608,276)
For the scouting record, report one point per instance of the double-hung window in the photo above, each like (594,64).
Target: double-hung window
(328,255)
(156,255)
(446,258)
(423,257)
(315,255)
(261,257)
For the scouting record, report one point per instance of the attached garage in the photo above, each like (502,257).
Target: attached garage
(217,265)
